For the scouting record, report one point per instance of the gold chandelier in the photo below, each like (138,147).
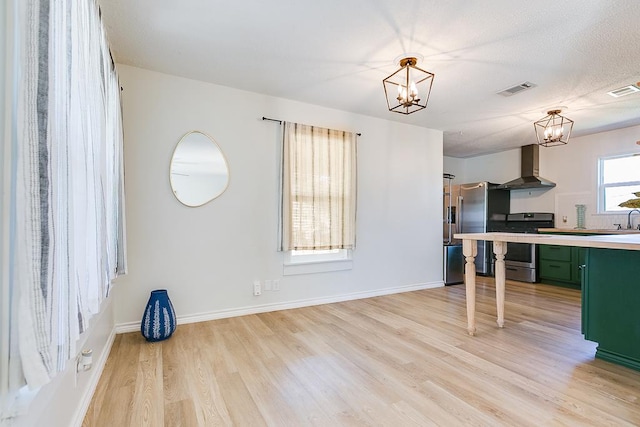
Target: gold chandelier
(553,129)
(408,89)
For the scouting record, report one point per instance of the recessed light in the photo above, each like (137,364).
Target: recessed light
(624,91)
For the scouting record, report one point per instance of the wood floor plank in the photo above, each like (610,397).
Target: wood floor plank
(396,360)
(318,376)
(205,391)
(148,397)
(243,409)
(180,414)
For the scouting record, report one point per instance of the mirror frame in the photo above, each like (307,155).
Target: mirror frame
(222,155)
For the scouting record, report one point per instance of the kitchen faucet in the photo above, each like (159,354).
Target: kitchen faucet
(629,218)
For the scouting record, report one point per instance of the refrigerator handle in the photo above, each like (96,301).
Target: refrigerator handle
(473,187)
(449,222)
(459,213)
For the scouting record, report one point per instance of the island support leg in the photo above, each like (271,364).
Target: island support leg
(500,249)
(470,250)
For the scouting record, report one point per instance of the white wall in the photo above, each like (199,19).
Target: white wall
(573,167)
(208,257)
(457,167)
(63,402)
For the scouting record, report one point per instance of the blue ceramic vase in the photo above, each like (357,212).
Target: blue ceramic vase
(159,319)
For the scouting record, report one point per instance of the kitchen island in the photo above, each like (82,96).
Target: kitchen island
(610,292)
(562,265)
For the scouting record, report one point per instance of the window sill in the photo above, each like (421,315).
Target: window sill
(316,267)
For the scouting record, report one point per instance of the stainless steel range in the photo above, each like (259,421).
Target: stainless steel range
(521,260)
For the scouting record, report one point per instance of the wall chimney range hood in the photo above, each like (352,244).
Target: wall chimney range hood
(529,170)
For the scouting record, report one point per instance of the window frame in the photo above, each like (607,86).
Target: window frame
(9,13)
(602,208)
(321,262)
(312,257)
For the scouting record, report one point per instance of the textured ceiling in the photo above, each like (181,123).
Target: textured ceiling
(335,53)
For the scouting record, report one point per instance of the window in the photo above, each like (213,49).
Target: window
(619,182)
(61,221)
(318,194)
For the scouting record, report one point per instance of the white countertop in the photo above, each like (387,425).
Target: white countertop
(608,241)
(589,230)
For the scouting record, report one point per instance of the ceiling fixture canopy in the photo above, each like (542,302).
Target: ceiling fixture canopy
(408,89)
(553,129)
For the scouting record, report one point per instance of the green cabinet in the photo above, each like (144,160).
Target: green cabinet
(611,304)
(560,265)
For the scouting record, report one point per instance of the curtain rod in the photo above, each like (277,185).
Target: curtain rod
(280,121)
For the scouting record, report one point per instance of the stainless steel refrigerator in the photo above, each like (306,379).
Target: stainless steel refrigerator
(453,271)
(478,201)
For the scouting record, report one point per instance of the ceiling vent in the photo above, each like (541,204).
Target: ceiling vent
(516,89)
(623,91)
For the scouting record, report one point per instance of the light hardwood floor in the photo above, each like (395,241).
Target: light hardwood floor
(397,360)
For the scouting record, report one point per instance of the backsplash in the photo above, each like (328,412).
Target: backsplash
(566,213)
(598,221)
(602,221)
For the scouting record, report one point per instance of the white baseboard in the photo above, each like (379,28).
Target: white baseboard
(96,373)
(243,311)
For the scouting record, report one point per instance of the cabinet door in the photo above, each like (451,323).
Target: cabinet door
(611,315)
(555,253)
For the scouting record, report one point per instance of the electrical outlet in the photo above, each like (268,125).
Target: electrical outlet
(86,359)
(268,285)
(257,288)
(276,285)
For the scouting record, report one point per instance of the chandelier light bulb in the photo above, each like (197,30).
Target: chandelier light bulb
(414,90)
(402,94)
(553,135)
(410,98)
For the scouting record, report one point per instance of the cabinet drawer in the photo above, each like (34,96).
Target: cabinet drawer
(555,270)
(555,253)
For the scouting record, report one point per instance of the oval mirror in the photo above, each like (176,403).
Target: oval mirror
(199,171)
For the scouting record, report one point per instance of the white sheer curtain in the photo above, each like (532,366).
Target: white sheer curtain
(69,213)
(318,188)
